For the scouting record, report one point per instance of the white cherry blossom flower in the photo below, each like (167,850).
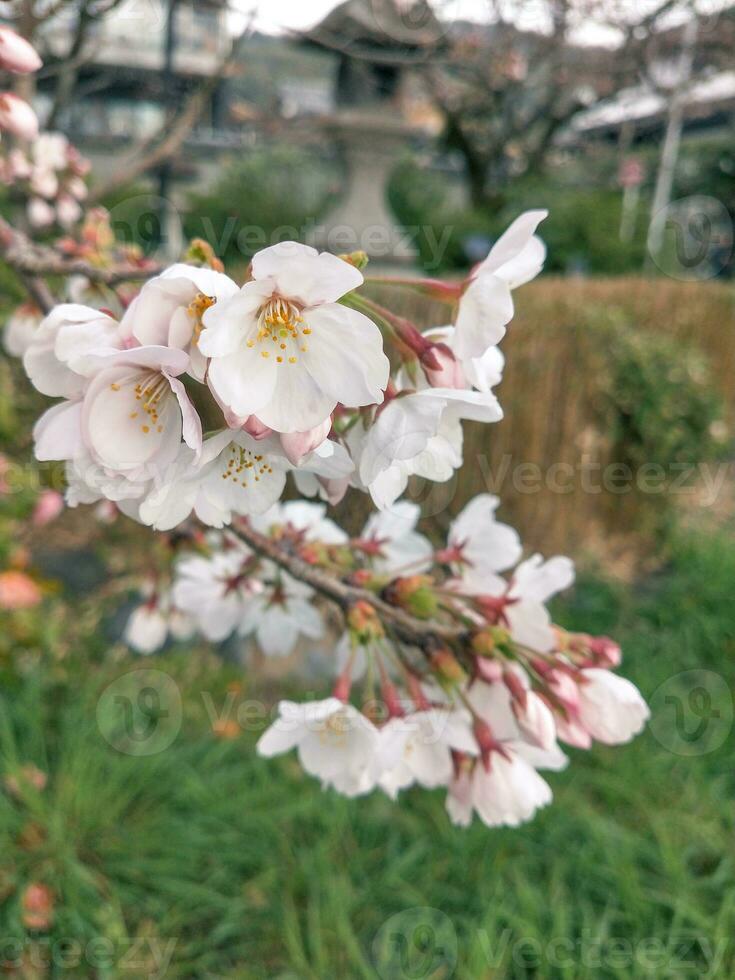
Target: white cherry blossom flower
(486,306)
(504,791)
(520,605)
(480,543)
(285,350)
(65,350)
(391,541)
(235,474)
(168,310)
(611,708)
(334,741)
(502,786)
(136,411)
(418,749)
(418,434)
(280,613)
(307,519)
(216,592)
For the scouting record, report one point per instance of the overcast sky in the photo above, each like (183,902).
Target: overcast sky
(277,16)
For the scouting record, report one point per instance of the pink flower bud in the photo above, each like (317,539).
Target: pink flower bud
(40,213)
(489,670)
(573,733)
(607,652)
(441,367)
(48,507)
(564,688)
(17,117)
(18,591)
(16,54)
(536,721)
(297,445)
(68,211)
(255,428)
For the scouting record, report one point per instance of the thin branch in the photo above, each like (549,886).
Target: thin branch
(32,261)
(426,635)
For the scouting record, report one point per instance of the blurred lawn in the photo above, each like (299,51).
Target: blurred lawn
(254,872)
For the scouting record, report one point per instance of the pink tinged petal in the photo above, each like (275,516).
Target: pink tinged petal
(16,54)
(297,445)
(512,245)
(530,624)
(17,117)
(476,406)
(116,429)
(244,382)
(191,423)
(485,309)
(47,374)
(58,433)
(345,355)
(610,707)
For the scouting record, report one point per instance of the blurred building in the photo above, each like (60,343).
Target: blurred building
(135,65)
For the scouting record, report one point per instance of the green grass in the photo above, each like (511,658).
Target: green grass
(237,867)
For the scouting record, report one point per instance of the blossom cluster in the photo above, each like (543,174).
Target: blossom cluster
(195,402)
(287,373)
(479,716)
(50,176)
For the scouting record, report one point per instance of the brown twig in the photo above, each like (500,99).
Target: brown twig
(426,635)
(32,262)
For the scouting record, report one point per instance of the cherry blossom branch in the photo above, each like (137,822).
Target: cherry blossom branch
(426,635)
(32,261)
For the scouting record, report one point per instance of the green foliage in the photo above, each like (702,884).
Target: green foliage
(581,232)
(268,195)
(660,403)
(244,868)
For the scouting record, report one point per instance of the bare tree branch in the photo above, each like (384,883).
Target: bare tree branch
(173,133)
(426,635)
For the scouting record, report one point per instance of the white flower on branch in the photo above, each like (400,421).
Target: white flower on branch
(391,542)
(520,605)
(168,310)
(216,592)
(334,741)
(418,748)
(280,613)
(486,306)
(233,475)
(502,786)
(479,543)
(285,350)
(419,434)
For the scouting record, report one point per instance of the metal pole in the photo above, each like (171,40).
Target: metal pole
(672,140)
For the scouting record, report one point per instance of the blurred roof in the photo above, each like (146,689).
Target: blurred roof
(385,24)
(643,104)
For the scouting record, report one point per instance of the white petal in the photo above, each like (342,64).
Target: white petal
(345,355)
